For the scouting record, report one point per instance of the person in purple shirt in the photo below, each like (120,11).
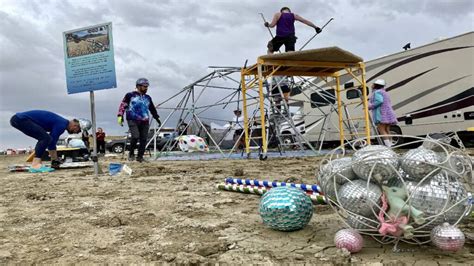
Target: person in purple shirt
(137,105)
(46,127)
(285,32)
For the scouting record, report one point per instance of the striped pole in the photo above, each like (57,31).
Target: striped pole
(315,197)
(266,183)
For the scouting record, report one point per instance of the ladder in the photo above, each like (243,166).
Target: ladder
(277,117)
(347,129)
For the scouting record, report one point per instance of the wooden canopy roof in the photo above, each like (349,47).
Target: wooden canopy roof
(315,62)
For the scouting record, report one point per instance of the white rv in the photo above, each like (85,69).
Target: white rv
(431,88)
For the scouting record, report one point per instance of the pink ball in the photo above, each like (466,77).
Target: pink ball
(349,239)
(447,237)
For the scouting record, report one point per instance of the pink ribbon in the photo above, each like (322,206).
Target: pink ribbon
(392,225)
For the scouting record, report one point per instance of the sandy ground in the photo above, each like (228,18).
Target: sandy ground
(171,212)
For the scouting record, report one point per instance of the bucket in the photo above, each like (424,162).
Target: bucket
(115,168)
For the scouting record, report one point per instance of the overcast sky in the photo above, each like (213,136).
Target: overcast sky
(172,43)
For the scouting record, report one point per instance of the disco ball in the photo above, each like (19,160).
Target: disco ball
(421,190)
(447,237)
(419,162)
(378,159)
(349,239)
(360,197)
(362,223)
(286,209)
(436,142)
(338,170)
(457,163)
(441,197)
(85,123)
(329,188)
(341,168)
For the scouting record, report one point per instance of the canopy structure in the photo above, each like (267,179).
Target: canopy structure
(325,63)
(316,62)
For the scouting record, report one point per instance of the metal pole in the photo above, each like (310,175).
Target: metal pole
(262,109)
(315,34)
(271,34)
(94,139)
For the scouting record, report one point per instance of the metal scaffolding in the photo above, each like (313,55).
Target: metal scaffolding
(209,99)
(328,64)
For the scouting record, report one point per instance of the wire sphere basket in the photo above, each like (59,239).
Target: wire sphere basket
(398,194)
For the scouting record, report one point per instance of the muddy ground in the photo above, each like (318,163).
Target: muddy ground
(171,211)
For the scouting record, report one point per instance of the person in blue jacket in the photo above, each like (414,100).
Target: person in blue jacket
(46,127)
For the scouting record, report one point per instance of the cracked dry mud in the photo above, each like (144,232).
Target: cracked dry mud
(171,212)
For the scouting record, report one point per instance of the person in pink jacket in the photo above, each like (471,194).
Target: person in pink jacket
(382,111)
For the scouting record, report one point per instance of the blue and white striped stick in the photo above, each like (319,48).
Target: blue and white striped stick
(266,183)
(315,198)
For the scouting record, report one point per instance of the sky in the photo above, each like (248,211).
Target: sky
(173,42)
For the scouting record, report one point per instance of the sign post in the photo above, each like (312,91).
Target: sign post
(90,66)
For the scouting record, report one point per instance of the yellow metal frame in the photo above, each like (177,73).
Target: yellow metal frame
(266,68)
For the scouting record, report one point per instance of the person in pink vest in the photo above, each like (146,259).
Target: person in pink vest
(382,111)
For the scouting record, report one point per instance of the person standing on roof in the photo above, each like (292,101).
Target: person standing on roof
(37,124)
(382,111)
(137,105)
(285,31)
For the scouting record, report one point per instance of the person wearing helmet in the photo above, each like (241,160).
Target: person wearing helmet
(280,83)
(285,31)
(137,105)
(46,127)
(382,111)
(237,124)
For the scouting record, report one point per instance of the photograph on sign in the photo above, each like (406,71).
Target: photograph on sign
(89,59)
(90,41)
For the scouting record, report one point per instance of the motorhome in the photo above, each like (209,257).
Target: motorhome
(431,88)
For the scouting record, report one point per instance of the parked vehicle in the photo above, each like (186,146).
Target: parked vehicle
(431,88)
(122,144)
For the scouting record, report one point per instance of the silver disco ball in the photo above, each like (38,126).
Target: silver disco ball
(329,189)
(436,142)
(85,123)
(286,209)
(339,171)
(458,163)
(433,182)
(362,223)
(360,197)
(447,237)
(383,161)
(419,162)
(441,197)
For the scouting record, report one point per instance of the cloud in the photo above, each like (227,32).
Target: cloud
(446,10)
(172,42)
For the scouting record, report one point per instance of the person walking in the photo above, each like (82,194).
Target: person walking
(100,138)
(137,105)
(285,30)
(46,127)
(382,111)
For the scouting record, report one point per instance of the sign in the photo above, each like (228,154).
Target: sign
(89,58)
